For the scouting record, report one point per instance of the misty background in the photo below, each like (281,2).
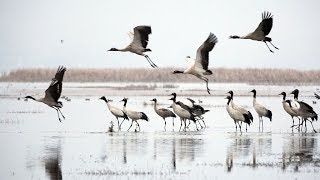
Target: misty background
(31,33)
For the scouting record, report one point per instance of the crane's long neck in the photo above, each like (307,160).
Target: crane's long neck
(155,106)
(125,105)
(284,97)
(30,97)
(295,96)
(229,100)
(109,105)
(254,94)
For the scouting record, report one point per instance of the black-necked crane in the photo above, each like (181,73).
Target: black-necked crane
(288,109)
(303,109)
(199,66)
(53,93)
(139,43)
(197,110)
(183,111)
(316,95)
(239,108)
(118,113)
(236,115)
(260,34)
(163,112)
(133,115)
(260,109)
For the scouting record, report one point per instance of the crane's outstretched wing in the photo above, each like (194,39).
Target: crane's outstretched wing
(141,35)
(55,88)
(265,25)
(202,59)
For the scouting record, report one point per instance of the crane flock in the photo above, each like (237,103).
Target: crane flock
(186,109)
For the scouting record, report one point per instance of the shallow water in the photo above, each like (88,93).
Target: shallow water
(35,145)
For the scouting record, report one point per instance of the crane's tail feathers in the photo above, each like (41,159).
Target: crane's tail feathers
(144,116)
(269,115)
(146,50)
(234,37)
(247,119)
(208,72)
(250,116)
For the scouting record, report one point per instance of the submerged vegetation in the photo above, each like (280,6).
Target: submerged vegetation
(223,75)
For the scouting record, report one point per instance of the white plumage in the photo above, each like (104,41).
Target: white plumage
(118,113)
(183,111)
(287,107)
(241,109)
(303,109)
(163,112)
(260,109)
(133,115)
(199,66)
(236,115)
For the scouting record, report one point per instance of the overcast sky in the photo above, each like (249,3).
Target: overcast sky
(31,32)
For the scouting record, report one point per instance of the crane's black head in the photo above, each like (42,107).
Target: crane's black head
(106,100)
(253,91)
(30,97)
(231,93)
(295,92)
(154,99)
(173,94)
(124,99)
(283,94)
(113,49)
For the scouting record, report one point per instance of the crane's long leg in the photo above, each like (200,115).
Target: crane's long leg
(173,123)
(207,83)
(122,122)
(312,126)
(204,123)
(118,124)
(262,124)
(150,61)
(165,124)
(236,126)
(130,125)
(180,124)
(239,127)
(273,45)
(57,113)
(268,46)
(195,122)
(61,113)
(138,125)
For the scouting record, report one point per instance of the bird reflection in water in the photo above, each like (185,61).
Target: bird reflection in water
(52,161)
(243,147)
(298,151)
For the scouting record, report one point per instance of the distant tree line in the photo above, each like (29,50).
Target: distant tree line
(223,75)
